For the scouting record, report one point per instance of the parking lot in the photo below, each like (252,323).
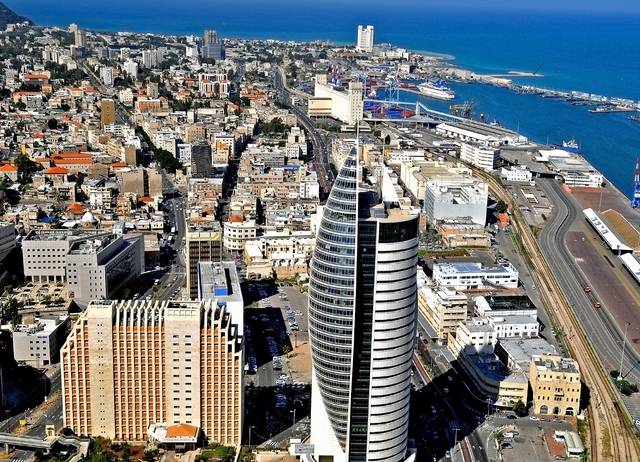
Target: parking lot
(521,439)
(278,365)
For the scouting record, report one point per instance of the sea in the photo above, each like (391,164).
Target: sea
(591,51)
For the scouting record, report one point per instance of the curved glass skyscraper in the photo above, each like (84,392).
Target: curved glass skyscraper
(362,321)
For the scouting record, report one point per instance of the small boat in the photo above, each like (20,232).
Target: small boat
(571,146)
(635,117)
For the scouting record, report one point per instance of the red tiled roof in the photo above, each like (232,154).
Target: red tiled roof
(73,161)
(56,171)
(73,155)
(75,208)
(8,168)
(182,431)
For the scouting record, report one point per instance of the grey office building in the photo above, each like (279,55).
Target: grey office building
(212,46)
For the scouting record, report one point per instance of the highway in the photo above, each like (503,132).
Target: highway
(611,435)
(320,152)
(601,329)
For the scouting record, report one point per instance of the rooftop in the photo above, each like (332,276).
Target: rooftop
(61,234)
(471,268)
(554,363)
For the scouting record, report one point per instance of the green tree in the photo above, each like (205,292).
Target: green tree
(520,408)
(501,206)
(26,168)
(52,124)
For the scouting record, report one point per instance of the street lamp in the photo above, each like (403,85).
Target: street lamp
(251,427)
(624,344)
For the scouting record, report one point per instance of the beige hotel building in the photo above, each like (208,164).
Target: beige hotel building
(129,364)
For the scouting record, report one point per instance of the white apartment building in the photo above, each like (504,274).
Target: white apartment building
(456,197)
(476,336)
(481,156)
(100,197)
(131,69)
(468,276)
(183,153)
(39,344)
(309,186)
(444,308)
(126,96)
(365,39)
(167,141)
(514,326)
(296,146)
(517,173)
(106,75)
(236,233)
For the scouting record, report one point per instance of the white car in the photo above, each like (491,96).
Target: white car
(533,417)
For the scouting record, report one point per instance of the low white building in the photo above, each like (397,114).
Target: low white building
(236,233)
(479,155)
(514,326)
(456,198)
(476,336)
(516,174)
(467,276)
(38,344)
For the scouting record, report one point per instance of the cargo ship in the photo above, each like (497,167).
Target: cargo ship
(437,90)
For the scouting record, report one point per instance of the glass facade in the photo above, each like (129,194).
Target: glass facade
(331,298)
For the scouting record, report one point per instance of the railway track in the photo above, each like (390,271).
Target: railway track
(611,436)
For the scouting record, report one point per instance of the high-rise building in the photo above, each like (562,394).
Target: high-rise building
(201,166)
(106,75)
(203,243)
(130,366)
(80,38)
(212,46)
(362,320)
(7,239)
(107,112)
(365,39)
(131,69)
(346,106)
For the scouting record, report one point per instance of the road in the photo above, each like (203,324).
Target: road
(470,445)
(611,436)
(601,329)
(320,150)
(122,116)
(174,279)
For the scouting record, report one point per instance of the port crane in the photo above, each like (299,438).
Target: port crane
(463,110)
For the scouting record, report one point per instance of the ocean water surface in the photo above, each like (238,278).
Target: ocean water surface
(585,51)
